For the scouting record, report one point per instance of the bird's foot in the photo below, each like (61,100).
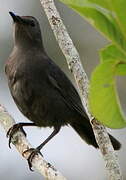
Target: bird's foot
(32,155)
(13,130)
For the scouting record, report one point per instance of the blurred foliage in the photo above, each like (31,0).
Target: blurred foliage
(108,17)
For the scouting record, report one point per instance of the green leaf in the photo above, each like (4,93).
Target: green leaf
(119,9)
(121,69)
(103,99)
(102,3)
(109,18)
(112,52)
(101,18)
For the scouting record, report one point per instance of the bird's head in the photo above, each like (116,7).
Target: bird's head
(26,31)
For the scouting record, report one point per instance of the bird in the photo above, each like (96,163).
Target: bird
(41,90)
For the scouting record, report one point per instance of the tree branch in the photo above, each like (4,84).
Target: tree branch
(21,144)
(75,66)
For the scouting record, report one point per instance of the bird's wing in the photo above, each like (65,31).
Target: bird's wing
(66,89)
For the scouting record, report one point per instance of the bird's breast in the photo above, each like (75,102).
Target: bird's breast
(34,106)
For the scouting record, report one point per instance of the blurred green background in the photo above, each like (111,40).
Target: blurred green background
(73,157)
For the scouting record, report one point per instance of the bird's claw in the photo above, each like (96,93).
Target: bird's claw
(13,130)
(31,156)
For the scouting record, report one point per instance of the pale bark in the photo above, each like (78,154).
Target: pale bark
(22,144)
(75,66)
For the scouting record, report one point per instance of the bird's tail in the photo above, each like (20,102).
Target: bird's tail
(84,129)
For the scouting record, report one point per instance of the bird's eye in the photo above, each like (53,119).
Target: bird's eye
(32,23)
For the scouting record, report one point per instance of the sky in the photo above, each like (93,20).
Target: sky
(67,151)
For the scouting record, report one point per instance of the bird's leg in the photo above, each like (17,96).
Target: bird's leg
(37,150)
(15,128)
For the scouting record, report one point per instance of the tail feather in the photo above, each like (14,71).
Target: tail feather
(116,144)
(85,131)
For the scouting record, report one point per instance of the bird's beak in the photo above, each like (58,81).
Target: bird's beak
(15,17)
